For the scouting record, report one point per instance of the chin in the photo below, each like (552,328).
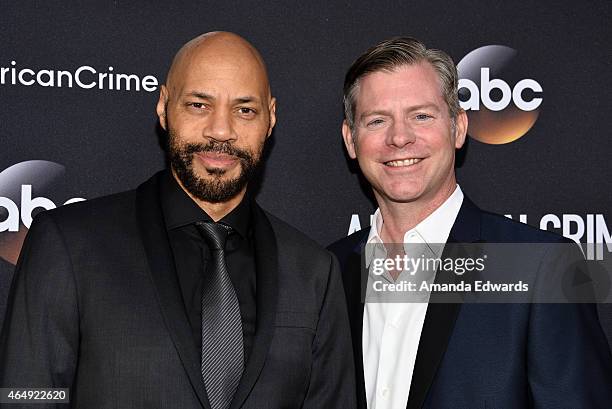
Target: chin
(403,194)
(218,174)
(404,198)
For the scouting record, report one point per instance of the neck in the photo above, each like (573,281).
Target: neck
(399,217)
(216,211)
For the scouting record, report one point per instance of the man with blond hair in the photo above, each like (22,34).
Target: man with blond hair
(403,124)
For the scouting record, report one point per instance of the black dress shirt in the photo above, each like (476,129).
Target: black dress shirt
(191,255)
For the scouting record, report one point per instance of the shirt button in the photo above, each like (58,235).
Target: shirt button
(385,392)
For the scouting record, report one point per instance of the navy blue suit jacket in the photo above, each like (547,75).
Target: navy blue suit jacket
(494,355)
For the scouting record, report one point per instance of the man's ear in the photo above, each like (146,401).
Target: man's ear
(161,106)
(349,140)
(461,125)
(272,109)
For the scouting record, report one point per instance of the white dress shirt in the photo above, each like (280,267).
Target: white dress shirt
(391,330)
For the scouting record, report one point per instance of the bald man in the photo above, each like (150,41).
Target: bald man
(183,293)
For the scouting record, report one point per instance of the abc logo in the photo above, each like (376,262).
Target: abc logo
(28,204)
(499,111)
(17,204)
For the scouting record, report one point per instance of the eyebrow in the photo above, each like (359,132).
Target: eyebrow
(198,94)
(239,100)
(425,106)
(375,112)
(246,99)
(410,109)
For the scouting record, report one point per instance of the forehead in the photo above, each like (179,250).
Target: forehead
(221,73)
(408,84)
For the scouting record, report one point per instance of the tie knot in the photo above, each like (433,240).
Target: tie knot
(215,234)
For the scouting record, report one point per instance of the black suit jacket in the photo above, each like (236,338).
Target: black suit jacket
(95,306)
(493,355)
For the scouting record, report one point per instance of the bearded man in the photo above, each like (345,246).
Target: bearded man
(184,293)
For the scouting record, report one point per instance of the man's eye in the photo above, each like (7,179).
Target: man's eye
(422,117)
(246,112)
(197,105)
(375,122)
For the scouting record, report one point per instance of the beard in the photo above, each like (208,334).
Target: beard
(214,188)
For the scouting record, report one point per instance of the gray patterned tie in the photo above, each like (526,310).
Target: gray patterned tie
(222,343)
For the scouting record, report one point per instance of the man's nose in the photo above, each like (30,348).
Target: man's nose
(400,134)
(220,126)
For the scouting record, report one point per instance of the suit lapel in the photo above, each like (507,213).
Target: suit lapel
(163,274)
(440,317)
(266,255)
(437,329)
(355,286)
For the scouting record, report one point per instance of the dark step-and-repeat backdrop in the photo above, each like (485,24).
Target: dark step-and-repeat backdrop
(79,82)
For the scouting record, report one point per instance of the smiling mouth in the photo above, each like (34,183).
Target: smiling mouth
(403,162)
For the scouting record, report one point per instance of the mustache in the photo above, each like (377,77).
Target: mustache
(217,147)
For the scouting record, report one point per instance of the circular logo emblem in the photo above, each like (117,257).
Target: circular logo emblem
(500,104)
